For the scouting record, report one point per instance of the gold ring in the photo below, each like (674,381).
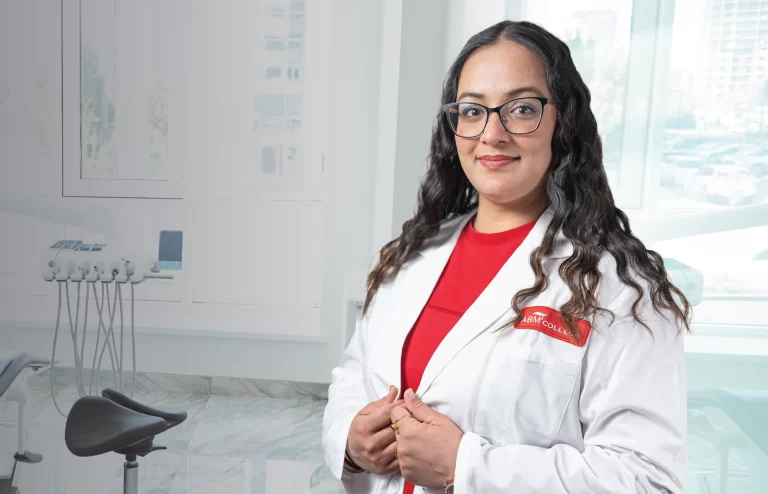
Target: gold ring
(394,424)
(401,418)
(396,455)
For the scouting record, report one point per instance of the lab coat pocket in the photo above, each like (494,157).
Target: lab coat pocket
(524,395)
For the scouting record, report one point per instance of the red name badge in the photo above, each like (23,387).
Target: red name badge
(550,322)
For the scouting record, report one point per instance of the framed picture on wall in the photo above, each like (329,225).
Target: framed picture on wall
(121,81)
(199,99)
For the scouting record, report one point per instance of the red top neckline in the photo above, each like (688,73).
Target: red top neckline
(515,235)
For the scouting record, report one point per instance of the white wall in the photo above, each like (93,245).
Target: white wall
(175,333)
(466,18)
(356,43)
(421,77)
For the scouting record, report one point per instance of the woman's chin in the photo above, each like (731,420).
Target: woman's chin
(509,195)
(499,197)
(498,189)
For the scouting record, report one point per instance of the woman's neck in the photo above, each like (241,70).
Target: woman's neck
(494,218)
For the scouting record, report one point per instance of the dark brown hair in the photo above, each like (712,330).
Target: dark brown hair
(577,187)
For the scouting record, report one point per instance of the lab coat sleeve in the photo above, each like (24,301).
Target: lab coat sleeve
(633,413)
(346,397)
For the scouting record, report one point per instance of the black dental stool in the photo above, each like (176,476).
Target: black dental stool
(115,423)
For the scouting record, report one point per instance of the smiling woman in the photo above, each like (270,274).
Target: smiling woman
(537,341)
(522,128)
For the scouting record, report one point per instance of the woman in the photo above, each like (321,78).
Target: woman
(575,386)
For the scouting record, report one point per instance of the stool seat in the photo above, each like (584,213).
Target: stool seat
(115,423)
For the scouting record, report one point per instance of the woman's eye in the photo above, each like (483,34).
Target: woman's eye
(471,111)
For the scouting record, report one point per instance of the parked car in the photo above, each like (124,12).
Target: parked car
(732,153)
(728,185)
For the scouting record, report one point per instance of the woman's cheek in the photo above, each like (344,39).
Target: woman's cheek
(464,148)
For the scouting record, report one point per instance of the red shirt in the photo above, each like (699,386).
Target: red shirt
(474,262)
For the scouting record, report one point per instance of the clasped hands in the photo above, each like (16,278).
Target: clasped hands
(422,445)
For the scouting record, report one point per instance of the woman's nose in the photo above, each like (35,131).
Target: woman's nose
(494,130)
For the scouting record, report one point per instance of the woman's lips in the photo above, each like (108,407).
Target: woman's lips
(496,161)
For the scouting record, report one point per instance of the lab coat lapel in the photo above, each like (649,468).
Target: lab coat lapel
(416,286)
(493,303)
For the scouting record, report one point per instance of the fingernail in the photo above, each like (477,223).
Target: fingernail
(409,393)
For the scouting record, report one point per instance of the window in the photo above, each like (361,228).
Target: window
(700,142)
(713,169)
(711,142)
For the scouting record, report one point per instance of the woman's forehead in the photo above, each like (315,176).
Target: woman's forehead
(495,70)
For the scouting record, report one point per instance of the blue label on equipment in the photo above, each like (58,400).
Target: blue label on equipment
(77,245)
(67,244)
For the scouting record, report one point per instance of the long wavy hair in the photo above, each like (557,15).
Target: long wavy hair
(577,186)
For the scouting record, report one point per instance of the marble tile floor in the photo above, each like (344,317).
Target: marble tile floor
(228,444)
(241,436)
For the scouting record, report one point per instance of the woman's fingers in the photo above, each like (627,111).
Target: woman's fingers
(384,437)
(393,465)
(392,468)
(383,459)
(398,413)
(386,434)
(380,417)
(389,452)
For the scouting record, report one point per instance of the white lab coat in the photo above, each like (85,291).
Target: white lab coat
(540,415)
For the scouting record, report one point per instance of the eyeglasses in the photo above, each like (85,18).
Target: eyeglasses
(518,116)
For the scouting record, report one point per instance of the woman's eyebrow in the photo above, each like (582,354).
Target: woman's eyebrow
(512,93)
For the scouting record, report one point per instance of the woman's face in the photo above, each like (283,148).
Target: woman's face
(491,76)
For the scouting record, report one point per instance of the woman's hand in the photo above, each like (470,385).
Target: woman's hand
(427,443)
(371,442)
